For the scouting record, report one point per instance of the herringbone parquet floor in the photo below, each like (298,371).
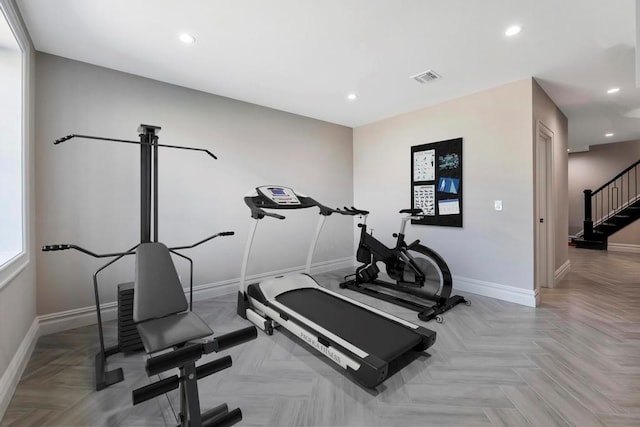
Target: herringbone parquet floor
(573,361)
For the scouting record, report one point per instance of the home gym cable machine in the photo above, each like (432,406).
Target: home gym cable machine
(128,338)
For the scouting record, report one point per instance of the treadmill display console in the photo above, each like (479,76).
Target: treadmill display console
(279,195)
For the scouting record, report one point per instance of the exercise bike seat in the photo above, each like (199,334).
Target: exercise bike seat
(412,211)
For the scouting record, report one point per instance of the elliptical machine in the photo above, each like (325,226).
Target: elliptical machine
(415,269)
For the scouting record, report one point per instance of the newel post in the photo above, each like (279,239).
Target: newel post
(588,222)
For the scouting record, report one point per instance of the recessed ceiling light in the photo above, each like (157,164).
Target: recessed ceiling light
(608,135)
(614,90)
(187,38)
(352,97)
(568,150)
(513,30)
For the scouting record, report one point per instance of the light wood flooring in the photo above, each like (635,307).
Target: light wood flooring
(573,361)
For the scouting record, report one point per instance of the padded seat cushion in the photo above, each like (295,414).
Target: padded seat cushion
(166,332)
(157,287)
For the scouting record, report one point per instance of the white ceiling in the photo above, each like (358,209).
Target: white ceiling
(305,56)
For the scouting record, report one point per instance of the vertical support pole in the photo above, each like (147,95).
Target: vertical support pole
(190,384)
(588,221)
(145,186)
(314,242)
(148,179)
(245,257)
(155,186)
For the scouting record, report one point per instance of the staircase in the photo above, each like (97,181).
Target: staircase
(610,208)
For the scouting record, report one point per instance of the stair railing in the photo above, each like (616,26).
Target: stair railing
(611,198)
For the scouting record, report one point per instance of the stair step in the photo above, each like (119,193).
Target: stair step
(622,216)
(590,244)
(608,224)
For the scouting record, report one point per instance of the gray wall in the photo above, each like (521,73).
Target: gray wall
(547,113)
(589,170)
(492,246)
(18,295)
(87,192)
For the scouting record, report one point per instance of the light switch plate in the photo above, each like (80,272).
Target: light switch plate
(498,205)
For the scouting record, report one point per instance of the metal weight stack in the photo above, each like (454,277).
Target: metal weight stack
(128,337)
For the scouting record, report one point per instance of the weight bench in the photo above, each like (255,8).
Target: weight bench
(163,322)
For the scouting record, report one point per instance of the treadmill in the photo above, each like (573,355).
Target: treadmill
(361,339)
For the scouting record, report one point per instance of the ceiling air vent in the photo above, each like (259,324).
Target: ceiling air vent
(426,76)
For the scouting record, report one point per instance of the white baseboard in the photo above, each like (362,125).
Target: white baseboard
(495,290)
(76,318)
(13,373)
(623,247)
(561,272)
(323,267)
(212,290)
(62,321)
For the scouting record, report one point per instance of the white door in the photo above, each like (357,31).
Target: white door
(544,268)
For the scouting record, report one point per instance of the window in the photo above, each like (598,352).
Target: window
(12,227)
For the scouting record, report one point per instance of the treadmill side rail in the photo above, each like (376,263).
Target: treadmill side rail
(372,372)
(428,338)
(262,323)
(367,370)
(330,351)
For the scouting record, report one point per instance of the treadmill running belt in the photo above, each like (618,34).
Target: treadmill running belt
(366,330)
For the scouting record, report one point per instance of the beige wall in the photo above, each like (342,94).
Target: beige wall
(493,249)
(591,169)
(88,192)
(548,114)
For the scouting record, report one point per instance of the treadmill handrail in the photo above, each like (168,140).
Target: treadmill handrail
(258,202)
(257,212)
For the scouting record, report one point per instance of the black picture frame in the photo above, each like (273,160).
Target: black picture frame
(436,182)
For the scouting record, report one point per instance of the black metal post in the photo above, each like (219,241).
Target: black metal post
(155,187)
(148,165)
(145,186)
(588,221)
